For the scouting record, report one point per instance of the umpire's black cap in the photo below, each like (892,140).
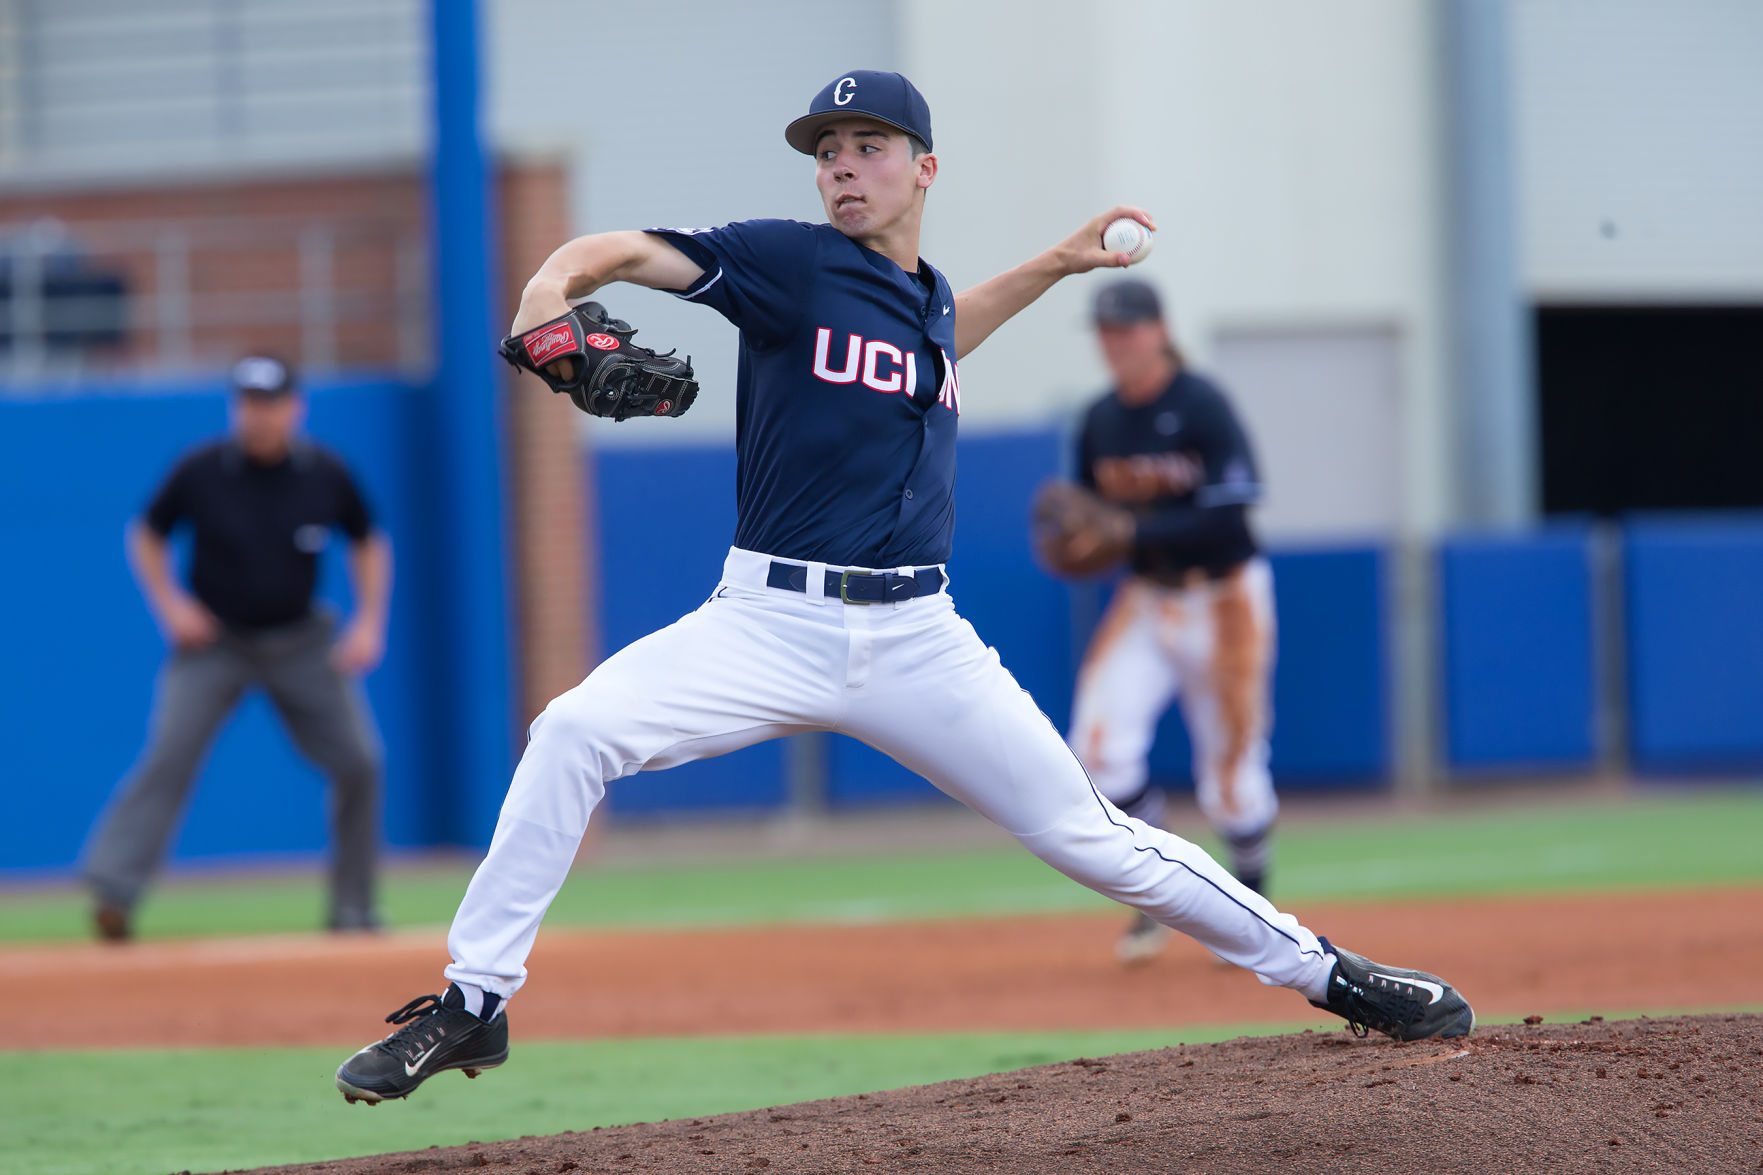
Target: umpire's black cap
(263,376)
(885,97)
(1127,301)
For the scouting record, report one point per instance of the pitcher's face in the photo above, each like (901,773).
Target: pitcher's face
(868,180)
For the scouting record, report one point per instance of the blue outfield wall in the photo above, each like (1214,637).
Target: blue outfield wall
(82,651)
(1518,638)
(1331,689)
(1516,623)
(1694,589)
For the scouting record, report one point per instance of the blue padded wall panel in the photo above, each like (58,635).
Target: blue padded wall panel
(1694,620)
(1331,692)
(1518,670)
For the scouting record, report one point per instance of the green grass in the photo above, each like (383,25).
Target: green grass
(1694,838)
(152,1111)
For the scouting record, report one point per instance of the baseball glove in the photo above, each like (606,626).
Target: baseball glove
(589,356)
(1077,532)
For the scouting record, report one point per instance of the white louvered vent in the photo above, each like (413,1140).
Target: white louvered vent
(130,89)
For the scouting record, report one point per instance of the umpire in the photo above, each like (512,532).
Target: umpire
(261,504)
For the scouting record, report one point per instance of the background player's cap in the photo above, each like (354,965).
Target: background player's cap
(886,97)
(1124,302)
(262,375)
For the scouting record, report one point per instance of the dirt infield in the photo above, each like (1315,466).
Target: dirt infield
(1654,1095)
(1670,1094)
(1512,957)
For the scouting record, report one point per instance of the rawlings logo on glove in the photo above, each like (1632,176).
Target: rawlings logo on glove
(548,342)
(588,356)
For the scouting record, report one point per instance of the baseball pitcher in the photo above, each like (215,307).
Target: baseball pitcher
(834,610)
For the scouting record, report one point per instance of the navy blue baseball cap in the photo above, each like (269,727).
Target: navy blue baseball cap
(885,97)
(1127,301)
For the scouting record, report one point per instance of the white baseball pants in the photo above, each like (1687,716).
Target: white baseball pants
(910,679)
(1210,644)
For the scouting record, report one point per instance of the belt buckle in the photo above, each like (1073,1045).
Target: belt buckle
(845,590)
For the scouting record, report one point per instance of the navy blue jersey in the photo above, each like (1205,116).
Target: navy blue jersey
(1183,466)
(846,396)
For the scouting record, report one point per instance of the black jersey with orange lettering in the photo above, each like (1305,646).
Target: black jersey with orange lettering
(1182,464)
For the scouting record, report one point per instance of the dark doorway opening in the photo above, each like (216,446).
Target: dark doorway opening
(1650,408)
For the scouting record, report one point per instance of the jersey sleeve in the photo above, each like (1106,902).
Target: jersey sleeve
(758,274)
(170,502)
(1231,478)
(1190,531)
(353,514)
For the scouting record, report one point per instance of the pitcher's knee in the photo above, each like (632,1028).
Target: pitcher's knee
(563,723)
(596,730)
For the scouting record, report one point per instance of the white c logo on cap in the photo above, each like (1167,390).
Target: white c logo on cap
(844,91)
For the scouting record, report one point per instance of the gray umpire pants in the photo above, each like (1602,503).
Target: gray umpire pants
(326,714)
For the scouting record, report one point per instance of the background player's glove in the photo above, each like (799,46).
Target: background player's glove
(588,355)
(1078,532)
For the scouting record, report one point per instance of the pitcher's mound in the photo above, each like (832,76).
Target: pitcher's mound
(1681,1093)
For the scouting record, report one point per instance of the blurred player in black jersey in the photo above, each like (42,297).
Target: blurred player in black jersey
(1193,621)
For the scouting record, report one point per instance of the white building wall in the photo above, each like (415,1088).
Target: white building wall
(1286,149)
(120,91)
(1640,148)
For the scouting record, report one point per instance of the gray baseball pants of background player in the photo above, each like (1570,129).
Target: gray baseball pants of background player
(325,713)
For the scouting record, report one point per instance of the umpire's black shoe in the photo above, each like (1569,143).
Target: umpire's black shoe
(1404,1004)
(437,1034)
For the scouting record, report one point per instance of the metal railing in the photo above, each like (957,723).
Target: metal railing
(169,297)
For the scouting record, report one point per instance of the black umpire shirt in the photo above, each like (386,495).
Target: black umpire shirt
(258,529)
(1183,466)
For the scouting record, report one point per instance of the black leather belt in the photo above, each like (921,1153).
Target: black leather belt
(860,587)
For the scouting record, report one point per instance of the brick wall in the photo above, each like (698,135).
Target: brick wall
(240,245)
(371,212)
(546,466)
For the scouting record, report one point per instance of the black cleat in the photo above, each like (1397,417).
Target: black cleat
(1402,1004)
(437,1034)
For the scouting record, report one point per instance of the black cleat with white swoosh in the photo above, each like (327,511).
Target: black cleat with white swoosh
(437,1034)
(1403,1004)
